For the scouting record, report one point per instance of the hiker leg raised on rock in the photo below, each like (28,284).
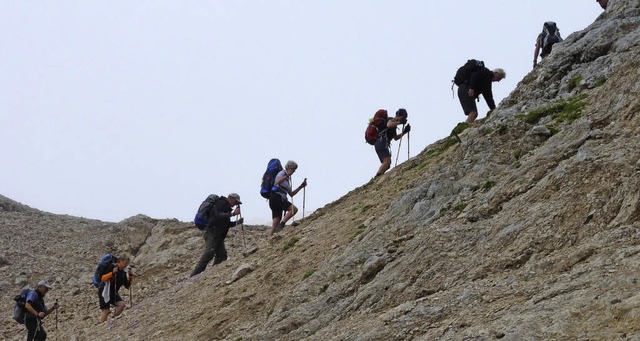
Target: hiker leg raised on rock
(209,251)
(220,250)
(468,103)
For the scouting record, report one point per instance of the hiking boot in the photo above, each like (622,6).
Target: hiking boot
(281,225)
(295,223)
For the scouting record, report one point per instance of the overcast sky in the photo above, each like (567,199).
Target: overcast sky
(113,108)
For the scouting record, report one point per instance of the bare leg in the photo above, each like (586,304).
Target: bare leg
(290,213)
(119,307)
(472,117)
(386,164)
(105,315)
(274,226)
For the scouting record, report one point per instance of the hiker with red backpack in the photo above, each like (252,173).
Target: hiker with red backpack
(278,202)
(474,79)
(35,310)
(381,131)
(218,222)
(112,276)
(546,39)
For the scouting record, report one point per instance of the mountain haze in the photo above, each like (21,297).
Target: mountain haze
(527,230)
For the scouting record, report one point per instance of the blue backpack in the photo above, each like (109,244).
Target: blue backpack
(19,311)
(106,260)
(204,211)
(269,177)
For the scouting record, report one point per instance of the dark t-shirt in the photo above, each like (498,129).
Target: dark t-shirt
(389,134)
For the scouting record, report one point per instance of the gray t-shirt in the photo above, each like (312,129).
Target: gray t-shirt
(285,187)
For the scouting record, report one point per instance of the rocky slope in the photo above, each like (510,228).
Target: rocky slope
(528,230)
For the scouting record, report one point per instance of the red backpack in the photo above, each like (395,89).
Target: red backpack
(376,125)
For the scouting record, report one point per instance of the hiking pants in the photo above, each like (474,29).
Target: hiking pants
(35,330)
(214,247)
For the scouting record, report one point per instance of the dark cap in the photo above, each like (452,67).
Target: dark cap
(235,196)
(402,112)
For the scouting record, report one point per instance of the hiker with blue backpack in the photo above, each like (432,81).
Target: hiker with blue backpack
(278,203)
(110,276)
(214,217)
(474,79)
(34,310)
(549,36)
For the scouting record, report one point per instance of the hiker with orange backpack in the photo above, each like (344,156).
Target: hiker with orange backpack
(381,131)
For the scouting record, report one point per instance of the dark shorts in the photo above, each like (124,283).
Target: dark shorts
(468,103)
(278,205)
(382,149)
(106,305)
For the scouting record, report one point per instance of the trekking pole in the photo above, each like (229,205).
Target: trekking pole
(115,291)
(304,200)
(293,217)
(408,145)
(244,242)
(399,144)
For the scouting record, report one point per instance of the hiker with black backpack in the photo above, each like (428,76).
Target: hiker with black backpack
(474,79)
(112,276)
(218,219)
(36,310)
(278,198)
(387,133)
(546,39)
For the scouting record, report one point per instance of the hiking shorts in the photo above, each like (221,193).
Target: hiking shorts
(278,205)
(468,103)
(382,149)
(106,305)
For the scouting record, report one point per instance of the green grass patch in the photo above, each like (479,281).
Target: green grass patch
(448,143)
(599,82)
(269,312)
(308,273)
(517,154)
(290,243)
(574,82)
(561,111)
(459,206)
(553,130)
(488,185)
(460,127)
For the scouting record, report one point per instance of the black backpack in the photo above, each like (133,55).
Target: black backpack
(106,260)
(204,211)
(550,36)
(19,311)
(269,177)
(463,75)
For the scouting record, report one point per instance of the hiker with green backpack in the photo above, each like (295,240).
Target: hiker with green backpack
(34,310)
(216,218)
